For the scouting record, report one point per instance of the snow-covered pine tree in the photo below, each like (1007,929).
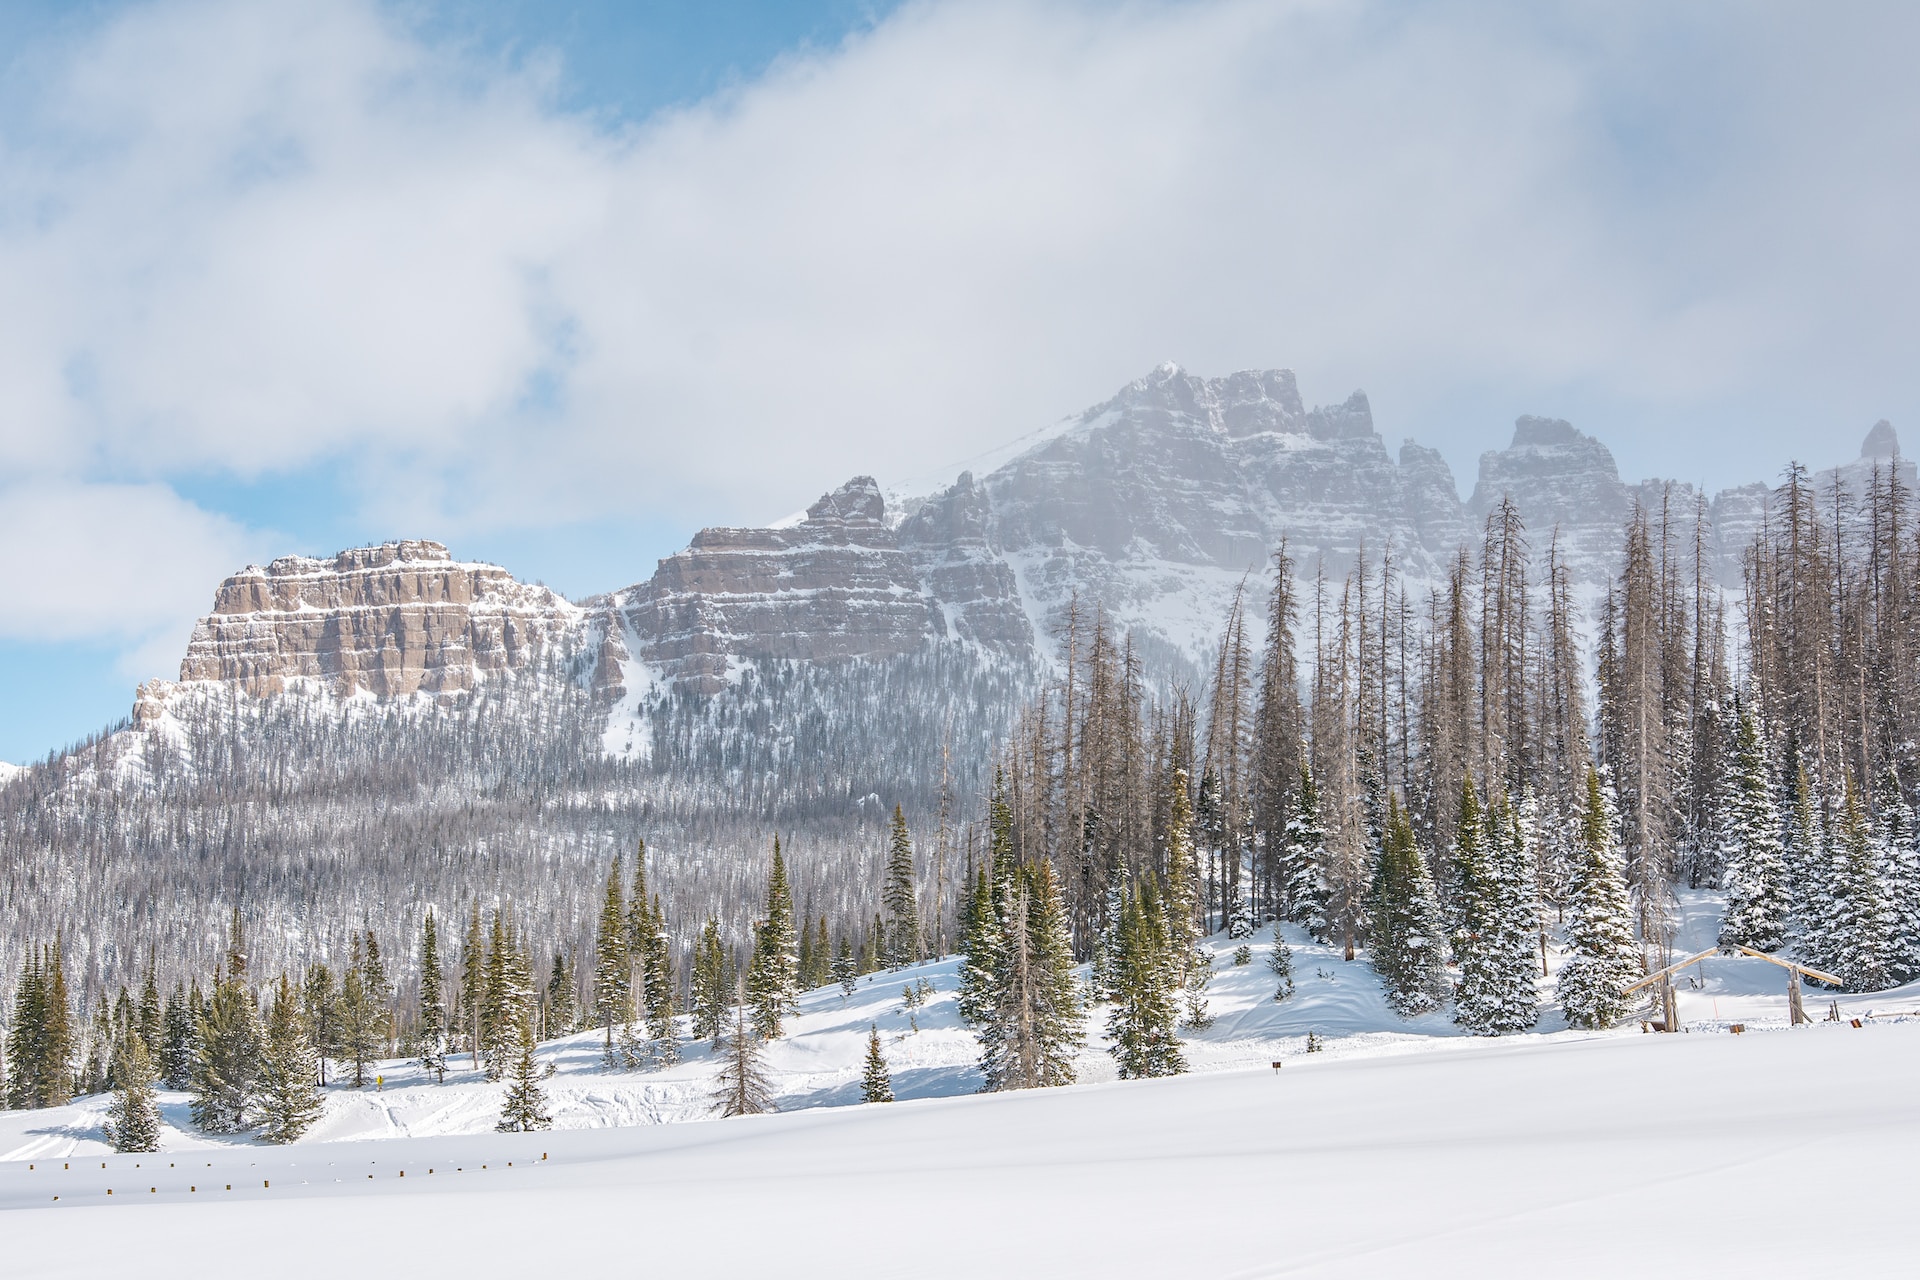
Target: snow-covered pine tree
(473,982)
(1145,990)
(1193,962)
(1497,993)
(742,1088)
(523,1108)
(773,985)
(432,1030)
(1859,930)
(288,1097)
(1893,829)
(1304,890)
(1599,920)
(322,1001)
(713,984)
(133,1118)
(379,989)
(1280,961)
(900,898)
(152,1025)
(876,1083)
(1406,941)
(509,996)
(1756,869)
(362,1014)
(1809,878)
(979,949)
(662,990)
(612,965)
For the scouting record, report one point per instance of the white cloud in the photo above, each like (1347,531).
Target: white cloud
(243,236)
(131,563)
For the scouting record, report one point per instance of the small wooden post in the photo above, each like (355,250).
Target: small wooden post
(1795,1009)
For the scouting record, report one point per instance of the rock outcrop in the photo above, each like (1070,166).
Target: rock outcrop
(392,620)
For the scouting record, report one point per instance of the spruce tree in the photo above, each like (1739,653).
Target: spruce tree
(1599,921)
(379,991)
(1193,963)
(54,1064)
(876,1085)
(846,972)
(322,1001)
(562,1006)
(229,1062)
(1809,885)
(473,981)
(1405,946)
(713,983)
(903,941)
(362,1024)
(612,964)
(433,1002)
(1035,1026)
(1893,830)
(772,982)
(1756,871)
(1304,892)
(1145,990)
(152,1024)
(1497,993)
(742,1087)
(523,1108)
(662,990)
(133,1119)
(288,1099)
(1860,927)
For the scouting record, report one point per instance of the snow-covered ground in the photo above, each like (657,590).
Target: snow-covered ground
(1399,1142)
(1784,1153)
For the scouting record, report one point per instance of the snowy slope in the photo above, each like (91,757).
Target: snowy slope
(1579,1156)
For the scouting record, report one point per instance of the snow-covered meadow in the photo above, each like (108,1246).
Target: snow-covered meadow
(1394,1143)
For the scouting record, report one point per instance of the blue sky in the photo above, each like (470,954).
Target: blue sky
(558,283)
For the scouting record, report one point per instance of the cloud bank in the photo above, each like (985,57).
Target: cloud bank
(243,239)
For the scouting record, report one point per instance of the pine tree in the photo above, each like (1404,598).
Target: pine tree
(1405,946)
(509,997)
(1756,871)
(179,1045)
(1193,964)
(228,1066)
(903,941)
(876,1085)
(661,995)
(322,1001)
(562,1007)
(1305,893)
(53,1065)
(523,1108)
(1496,994)
(1893,834)
(1860,928)
(713,983)
(133,1120)
(1140,1026)
(846,971)
(612,964)
(433,1003)
(742,1087)
(379,992)
(1808,882)
(1599,921)
(473,980)
(772,984)
(288,1099)
(361,1023)
(1030,1037)
(152,1018)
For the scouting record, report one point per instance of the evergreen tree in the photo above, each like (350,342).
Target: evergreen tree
(713,983)
(1900,873)
(362,1024)
(133,1120)
(1145,989)
(612,964)
(772,983)
(742,1087)
(876,1085)
(1304,891)
(562,1007)
(322,1000)
(433,1002)
(846,971)
(1034,1029)
(1809,886)
(288,1100)
(508,999)
(1192,962)
(523,1109)
(662,988)
(228,1065)
(1405,947)
(379,994)
(1496,994)
(1280,960)
(1599,921)
(152,1018)
(473,980)
(1756,871)
(1860,928)
(903,941)
(180,1045)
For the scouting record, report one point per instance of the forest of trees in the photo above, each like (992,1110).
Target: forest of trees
(1449,781)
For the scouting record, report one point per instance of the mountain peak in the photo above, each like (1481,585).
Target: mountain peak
(1881,441)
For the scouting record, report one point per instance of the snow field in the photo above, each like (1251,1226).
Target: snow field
(1782,1153)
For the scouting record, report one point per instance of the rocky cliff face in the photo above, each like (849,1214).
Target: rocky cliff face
(392,620)
(1155,507)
